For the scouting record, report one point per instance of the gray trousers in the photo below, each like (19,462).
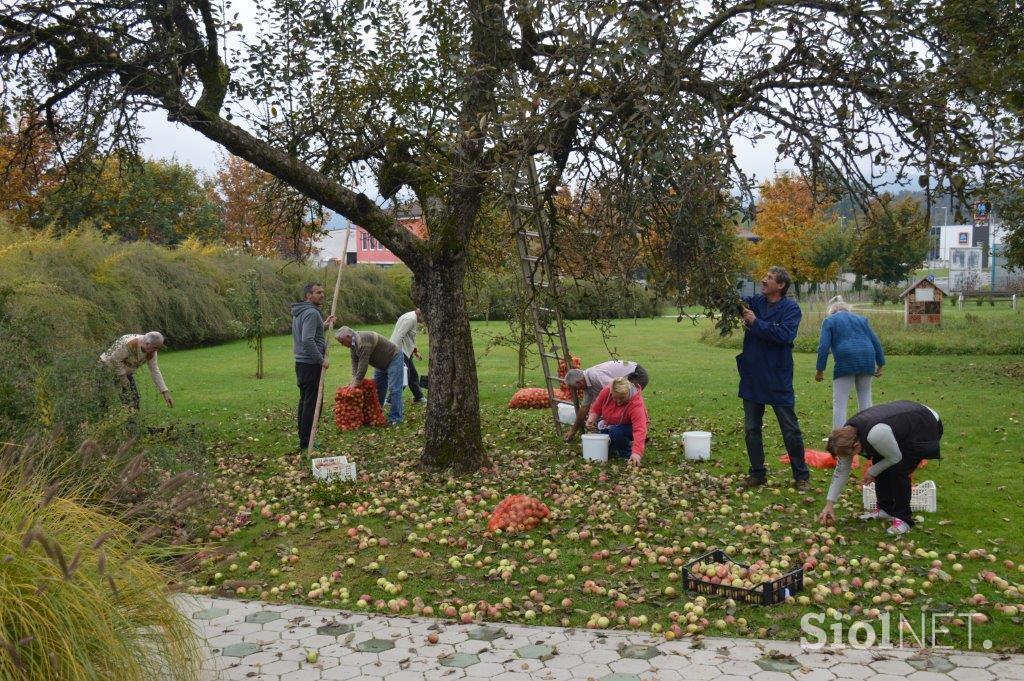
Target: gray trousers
(841,387)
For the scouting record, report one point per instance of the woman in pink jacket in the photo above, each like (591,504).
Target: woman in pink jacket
(619,412)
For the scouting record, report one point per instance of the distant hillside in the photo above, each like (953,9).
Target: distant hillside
(943,208)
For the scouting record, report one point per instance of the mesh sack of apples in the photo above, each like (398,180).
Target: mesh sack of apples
(358,407)
(529,398)
(564,392)
(516,513)
(373,415)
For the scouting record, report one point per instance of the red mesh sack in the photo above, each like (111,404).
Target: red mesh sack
(357,407)
(563,370)
(529,398)
(563,392)
(517,513)
(372,413)
(348,408)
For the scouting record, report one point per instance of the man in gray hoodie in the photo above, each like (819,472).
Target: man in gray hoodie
(308,345)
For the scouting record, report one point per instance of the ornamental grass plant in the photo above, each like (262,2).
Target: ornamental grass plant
(83,593)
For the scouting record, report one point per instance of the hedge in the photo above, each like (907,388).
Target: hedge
(64,300)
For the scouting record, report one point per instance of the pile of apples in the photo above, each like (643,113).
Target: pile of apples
(517,513)
(358,407)
(734,574)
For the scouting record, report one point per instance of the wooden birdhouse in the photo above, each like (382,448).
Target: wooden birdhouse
(922,303)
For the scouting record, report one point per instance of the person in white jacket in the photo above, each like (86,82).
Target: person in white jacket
(404,336)
(127,354)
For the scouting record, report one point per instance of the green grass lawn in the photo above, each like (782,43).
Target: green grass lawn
(669,510)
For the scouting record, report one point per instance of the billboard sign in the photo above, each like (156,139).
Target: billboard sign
(982,209)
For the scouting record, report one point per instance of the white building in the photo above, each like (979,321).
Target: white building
(328,248)
(946,236)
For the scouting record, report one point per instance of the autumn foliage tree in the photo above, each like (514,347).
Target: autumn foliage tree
(28,168)
(790,216)
(263,216)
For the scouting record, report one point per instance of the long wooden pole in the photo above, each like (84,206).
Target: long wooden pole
(327,348)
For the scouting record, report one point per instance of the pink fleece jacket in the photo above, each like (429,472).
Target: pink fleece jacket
(634,411)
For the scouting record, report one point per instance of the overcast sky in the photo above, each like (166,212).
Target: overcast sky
(170,140)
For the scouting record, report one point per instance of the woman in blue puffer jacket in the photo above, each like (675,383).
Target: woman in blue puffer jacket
(857,354)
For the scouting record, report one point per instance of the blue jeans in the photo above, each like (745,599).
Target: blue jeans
(753,422)
(621,440)
(393,377)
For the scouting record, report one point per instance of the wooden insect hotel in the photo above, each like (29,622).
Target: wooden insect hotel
(922,303)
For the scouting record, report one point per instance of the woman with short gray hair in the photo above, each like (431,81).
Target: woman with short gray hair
(127,354)
(857,353)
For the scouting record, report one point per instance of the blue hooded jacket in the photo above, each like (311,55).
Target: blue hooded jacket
(766,363)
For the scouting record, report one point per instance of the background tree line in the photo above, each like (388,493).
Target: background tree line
(803,227)
(156,200)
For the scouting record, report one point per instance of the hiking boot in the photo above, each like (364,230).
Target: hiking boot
(802,485)
(877,514)
(898,527)
(750,482)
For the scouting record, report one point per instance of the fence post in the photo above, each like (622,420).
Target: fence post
(1013,301)
(960,301)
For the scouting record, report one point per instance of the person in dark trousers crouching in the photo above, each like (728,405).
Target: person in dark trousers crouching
(766,375)
(896,436)
(308,345)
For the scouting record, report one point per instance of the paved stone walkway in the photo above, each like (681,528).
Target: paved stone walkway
(254,640)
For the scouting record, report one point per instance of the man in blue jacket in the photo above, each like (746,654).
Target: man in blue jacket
(766,375)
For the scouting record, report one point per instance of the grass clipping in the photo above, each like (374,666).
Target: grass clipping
(80,599)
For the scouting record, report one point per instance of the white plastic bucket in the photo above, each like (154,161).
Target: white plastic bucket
(595,446)
(697,445)
(566,413)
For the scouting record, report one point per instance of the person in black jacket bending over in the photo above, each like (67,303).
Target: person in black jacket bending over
(896,436)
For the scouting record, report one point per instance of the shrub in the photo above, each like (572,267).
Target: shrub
(880,295)
(80,599)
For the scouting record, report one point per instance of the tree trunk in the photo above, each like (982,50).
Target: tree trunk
(452,437)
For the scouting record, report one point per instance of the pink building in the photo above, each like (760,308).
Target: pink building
(371,252)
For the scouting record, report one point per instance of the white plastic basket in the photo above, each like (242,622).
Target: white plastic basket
(334,468)
(923,497)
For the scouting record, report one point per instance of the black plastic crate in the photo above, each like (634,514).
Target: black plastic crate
(766,593)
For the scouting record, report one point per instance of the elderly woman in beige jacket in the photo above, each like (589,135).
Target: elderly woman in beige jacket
(127,354)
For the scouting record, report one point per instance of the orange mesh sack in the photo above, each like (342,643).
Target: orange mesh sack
(348,408)
(357,407)
(372,413)
(517,513)
(529,398)
(563,392)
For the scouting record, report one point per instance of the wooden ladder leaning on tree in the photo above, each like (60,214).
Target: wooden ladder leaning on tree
(533,235)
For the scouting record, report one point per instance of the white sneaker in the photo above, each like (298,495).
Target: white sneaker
(877,514)
(898,527)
